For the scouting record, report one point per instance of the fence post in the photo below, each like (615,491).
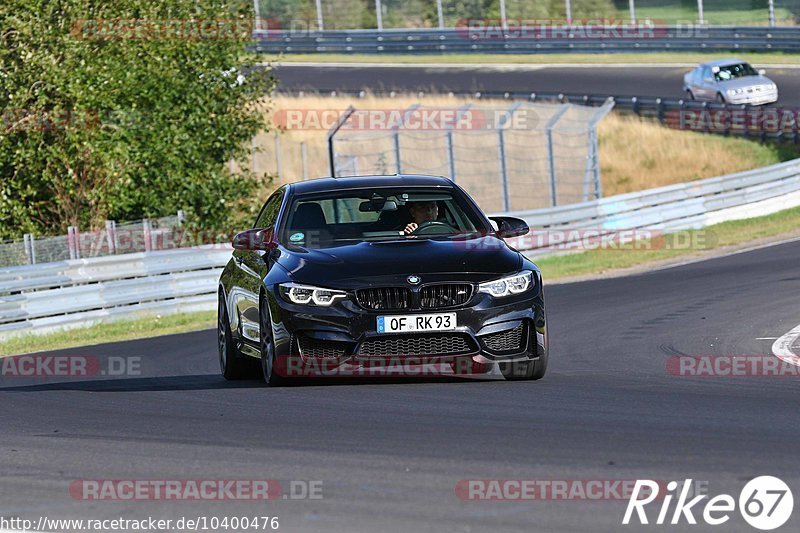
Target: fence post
(147,234)
(503,170)
(398,165)
(449,139)
(30,249)
(304,159)
(331,134)
(551,161)
(111,235)
(501,124)
(379,14)
(74,242)
(450,156)
(181,217)
(320,25)
(278,164)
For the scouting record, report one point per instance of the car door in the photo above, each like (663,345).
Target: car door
(708,89)
(251,269)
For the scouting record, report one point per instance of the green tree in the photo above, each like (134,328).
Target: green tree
(124,109)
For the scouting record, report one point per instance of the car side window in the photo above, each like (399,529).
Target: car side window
(706,75)
(269,214)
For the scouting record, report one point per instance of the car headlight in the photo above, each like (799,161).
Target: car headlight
(509,285)
(309,295)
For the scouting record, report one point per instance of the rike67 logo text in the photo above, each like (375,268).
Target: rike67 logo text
(765,503)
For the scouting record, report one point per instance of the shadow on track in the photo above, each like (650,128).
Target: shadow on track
(211,381)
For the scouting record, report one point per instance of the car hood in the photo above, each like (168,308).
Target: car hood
(742,83)
(354,265)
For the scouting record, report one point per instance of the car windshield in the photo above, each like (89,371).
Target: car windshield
(730,72)
(347,217)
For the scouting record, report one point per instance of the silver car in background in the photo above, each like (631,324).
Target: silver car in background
(731,81)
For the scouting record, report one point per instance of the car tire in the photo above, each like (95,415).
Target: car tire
(231,364)
(721,99)
(690,95)
(267,345)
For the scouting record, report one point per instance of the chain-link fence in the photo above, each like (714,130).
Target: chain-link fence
(129,237)
(512,157)
(312,15)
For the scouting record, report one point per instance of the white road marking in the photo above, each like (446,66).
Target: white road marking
(766,338)
(782,348)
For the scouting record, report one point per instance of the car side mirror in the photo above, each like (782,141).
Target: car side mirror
(762,72)
(255,240)
(510,227)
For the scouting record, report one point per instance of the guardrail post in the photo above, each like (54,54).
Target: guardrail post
(74,242)
(111,235)
(147,233)
(304,159)
(30,249)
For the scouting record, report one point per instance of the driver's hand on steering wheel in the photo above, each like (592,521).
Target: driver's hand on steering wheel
(410,228)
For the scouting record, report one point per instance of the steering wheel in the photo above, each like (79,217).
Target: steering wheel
(436,225)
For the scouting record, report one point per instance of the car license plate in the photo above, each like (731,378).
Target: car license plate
(411,323)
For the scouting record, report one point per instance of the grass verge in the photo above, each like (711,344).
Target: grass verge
(652,58)
(681,245)
(121,330)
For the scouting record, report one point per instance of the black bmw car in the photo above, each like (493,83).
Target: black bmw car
(380,275)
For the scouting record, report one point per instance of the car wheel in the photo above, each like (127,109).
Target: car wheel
(231,364)
(268,371)
(690,95)
(720,98)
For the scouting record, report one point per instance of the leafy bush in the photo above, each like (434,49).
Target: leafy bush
(125,109)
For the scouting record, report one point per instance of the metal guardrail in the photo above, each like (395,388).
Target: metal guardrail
(41,298)
(524,40)
(667,209)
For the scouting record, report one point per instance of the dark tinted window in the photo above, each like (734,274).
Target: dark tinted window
(345,217)
(269,214)
(739,70)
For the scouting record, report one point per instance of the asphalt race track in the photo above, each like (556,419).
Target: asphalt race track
(390,454)
(665,82)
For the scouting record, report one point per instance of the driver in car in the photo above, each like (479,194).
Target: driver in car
(421,212)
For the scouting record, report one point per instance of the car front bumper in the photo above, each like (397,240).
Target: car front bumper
(754,98)
(342,340)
